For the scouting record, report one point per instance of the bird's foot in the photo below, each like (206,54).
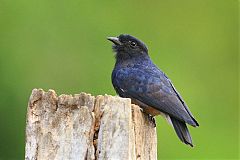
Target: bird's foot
(152,119)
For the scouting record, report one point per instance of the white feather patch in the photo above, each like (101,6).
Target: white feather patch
(167,117)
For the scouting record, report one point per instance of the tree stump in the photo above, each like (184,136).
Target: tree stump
(84,127)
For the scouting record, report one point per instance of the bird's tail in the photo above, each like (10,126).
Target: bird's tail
(182,131)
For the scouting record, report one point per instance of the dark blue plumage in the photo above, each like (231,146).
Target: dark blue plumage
(135,76)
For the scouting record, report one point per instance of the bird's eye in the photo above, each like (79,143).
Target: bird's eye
(133,44)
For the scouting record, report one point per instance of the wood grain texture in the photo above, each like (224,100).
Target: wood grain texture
(87,127)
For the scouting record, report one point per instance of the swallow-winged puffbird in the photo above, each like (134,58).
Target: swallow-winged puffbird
(135,76)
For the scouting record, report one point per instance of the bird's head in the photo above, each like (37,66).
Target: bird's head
(127,46)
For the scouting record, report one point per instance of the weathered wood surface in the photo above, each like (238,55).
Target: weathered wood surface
(87,127)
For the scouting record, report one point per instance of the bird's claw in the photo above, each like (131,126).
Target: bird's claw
(152,119)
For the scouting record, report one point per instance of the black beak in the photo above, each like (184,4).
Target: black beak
(115,40)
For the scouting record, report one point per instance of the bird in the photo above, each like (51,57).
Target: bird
(135,76)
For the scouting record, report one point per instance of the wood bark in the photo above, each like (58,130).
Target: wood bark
(87,127)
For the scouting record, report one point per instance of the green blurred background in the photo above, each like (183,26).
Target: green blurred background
(62,45)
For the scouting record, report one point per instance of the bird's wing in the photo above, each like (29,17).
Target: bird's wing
(153,89)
